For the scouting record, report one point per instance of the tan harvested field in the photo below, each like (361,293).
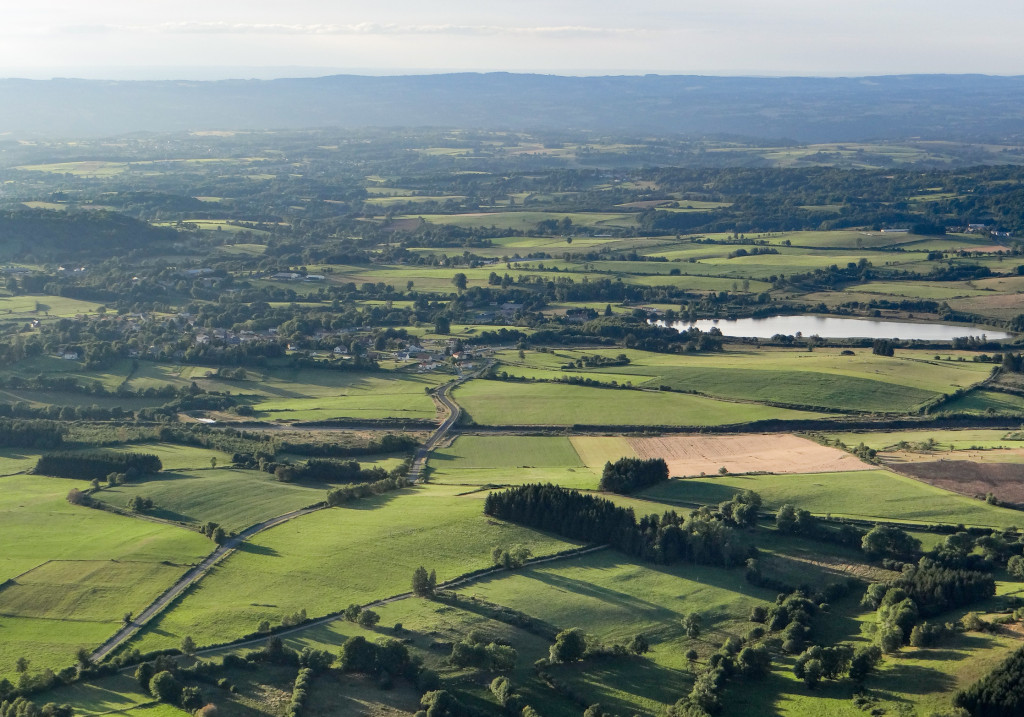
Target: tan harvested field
(895,459)
(1004,480)
(745,453)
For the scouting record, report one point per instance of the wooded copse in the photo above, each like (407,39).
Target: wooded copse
(97,465)
(669,538)
(628,475)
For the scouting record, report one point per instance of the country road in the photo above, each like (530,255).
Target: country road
(198,572)
(192,576)
(465,580)
(454,414)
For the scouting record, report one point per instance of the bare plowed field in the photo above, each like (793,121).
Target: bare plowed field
(749,453)
(1004,480)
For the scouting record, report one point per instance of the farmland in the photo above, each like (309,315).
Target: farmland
(487,318)
(235,499)
(485,460)
(893,497)
(66,560)
(299,562)
(824,378)
(491,402)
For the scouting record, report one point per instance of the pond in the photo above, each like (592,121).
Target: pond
(838,328)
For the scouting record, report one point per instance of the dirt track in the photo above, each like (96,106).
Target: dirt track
(750,453)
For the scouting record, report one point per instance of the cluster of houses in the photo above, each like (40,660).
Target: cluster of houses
(977,229)
(293,276)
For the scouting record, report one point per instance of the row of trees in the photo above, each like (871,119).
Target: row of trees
(1000,693)
(702,538)
(628,475)
(30,434)
(97,465)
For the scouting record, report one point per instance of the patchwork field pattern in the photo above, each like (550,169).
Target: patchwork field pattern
(748,453)
(1003,480)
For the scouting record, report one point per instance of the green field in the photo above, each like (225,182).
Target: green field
(235,499)
(115,694)
(613,598)
(324,561)
(501,402)
(506,460)
(873,495)
(106,565)
(526,220)
(944,439)
(987,402)
(822,378)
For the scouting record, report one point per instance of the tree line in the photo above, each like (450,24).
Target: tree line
(628,475)
(97,465)
(702,538)
(1000,693)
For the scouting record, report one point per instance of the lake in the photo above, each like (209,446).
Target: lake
(838,328)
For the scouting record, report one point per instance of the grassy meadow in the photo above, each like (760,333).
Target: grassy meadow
(498,402)
(872,495)
(823,378)
(233,498)
(509,460)
(76,571)
(324,561)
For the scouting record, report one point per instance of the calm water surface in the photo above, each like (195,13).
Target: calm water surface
(838,328)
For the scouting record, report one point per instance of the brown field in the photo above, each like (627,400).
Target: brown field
(748,453)
(1004,480)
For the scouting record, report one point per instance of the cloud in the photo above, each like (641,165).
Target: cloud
(365,29)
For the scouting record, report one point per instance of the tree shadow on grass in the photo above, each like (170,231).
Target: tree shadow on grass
(608,681)
(704,490)
(376,501)
(918,679)
(257,549)
(171,515)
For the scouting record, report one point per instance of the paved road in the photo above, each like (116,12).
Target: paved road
(196,573)
(191,577)
(419,462)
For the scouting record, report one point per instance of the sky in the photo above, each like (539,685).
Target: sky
(214,39)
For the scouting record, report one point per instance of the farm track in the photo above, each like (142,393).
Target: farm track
(455,583)
(199,571)
(193,576)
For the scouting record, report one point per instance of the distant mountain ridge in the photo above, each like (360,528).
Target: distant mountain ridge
(804,109)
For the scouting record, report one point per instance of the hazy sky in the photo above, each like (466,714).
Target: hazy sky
(133,38)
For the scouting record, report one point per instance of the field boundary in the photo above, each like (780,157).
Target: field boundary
(14,580)
(770,425)
(191,577)
(448,584)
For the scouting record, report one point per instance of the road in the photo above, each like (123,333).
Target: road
(419,462)
(191,577)
(415,475)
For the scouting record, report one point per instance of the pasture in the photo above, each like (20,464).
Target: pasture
(233,498)
(324,561)
(940,440)
(500,402)
(104,565)
(509,460)
(823,378)
(526,220)
(871,495)
(613,598)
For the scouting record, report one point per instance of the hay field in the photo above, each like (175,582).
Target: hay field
(750,453)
